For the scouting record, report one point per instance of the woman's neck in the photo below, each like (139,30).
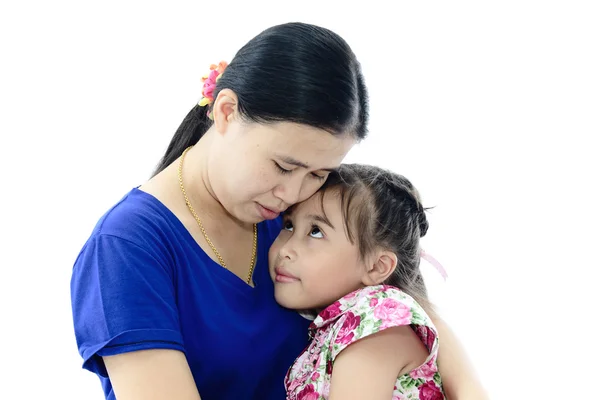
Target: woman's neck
(194,171)
(233,239)
(198,186)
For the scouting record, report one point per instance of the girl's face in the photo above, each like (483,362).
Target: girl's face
(312,262)
(262,169)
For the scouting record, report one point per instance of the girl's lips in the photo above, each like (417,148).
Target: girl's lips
(283,276)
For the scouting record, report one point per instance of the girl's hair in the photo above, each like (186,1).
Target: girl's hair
(293,72)
(383,210)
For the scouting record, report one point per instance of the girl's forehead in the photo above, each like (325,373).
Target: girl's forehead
(324,203)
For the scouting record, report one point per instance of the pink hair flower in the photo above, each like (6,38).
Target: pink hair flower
(209,83)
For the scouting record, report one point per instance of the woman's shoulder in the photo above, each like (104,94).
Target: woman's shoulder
(135,216)
(136,224)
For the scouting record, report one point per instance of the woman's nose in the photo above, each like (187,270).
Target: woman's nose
(289,191)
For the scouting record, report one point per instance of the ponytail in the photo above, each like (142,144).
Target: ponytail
(193,127)
(313,63)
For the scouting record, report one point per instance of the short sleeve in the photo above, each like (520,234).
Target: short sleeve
(123,299)
(374,310)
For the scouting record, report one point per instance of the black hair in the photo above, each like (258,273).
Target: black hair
(383,210)
(293,72)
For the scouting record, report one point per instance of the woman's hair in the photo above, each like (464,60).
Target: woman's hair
(293,72)
(383,210)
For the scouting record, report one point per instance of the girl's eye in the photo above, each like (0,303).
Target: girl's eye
(315,232)
(281,169)
(287,226)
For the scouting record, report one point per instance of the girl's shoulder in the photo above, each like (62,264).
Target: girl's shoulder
(387,305)
(378,303)
(370,310)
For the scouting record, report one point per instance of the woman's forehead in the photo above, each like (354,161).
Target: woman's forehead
(306,146)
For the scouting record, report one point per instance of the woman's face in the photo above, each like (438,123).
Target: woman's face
(259,170)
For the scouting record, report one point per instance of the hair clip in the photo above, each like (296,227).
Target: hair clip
(209,84)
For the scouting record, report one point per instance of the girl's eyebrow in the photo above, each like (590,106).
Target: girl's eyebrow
(320,218)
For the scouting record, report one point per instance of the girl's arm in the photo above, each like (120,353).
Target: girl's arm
(459,378)
(369,368)
(151,375)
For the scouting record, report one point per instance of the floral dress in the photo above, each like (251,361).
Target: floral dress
(354,317)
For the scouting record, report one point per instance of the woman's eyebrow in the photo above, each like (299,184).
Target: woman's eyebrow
(293,161)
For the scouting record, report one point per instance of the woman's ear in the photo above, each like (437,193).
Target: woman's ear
(224,109)
(379,268)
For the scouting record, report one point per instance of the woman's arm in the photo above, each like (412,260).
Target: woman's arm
(459,378)
(369,368)
(151,375)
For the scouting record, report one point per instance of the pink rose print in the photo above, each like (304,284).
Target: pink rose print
(426,371)
(296,367)
(349,296)
(308,393)
(392,313)
(430,391)
(373,292)
(329,367)
(318,341)
(293,385)
(346,333)
(331,312)
(382,306)
(315,359)
(426,335)
(325,389)
(305,364)
(430,339)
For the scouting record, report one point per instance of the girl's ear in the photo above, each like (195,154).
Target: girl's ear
(379,268)
(225,109)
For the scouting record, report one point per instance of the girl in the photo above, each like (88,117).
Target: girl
(352,252)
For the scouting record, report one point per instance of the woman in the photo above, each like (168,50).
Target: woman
(171,293)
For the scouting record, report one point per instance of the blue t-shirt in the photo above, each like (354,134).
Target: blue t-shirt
(142,282)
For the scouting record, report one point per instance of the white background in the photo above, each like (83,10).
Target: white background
(490,108)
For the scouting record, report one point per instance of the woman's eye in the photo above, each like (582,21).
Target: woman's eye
(287,226)
(315,232)
(319,177)
(281,169)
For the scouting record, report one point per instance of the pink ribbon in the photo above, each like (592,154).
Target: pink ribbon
(431,260)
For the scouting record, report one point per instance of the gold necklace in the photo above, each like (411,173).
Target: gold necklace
(210,243)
